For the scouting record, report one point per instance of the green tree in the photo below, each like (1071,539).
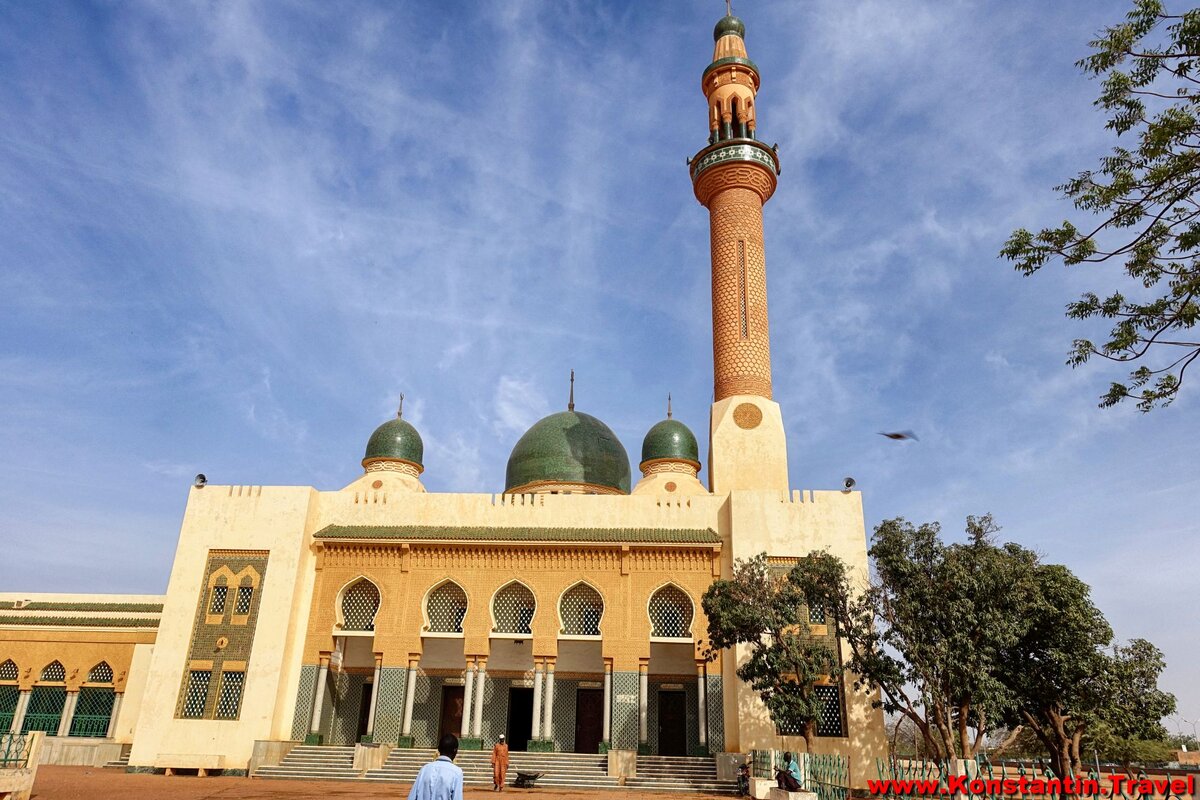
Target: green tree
(929,629)
(769,615)
(1146,216)
(1064,681)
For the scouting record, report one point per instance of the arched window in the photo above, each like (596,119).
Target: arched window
(513,609)
(360,603)
(101,673)
(8,671)
(671,613)
(581,610)
(54,671)
(446,607)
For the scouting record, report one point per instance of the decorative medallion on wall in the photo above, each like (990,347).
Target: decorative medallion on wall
(747,416)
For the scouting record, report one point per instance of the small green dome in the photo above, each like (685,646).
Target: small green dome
(395,440)
(568,447)
(671,439)
(727,25)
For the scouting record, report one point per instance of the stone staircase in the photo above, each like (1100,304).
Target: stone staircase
(312,762)
(122,762)
(561,770)
(565,770)
(679,774)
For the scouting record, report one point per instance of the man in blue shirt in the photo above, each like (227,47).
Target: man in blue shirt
(441,779)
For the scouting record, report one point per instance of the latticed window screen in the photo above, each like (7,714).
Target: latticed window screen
(829,723)
(446,607)
(242,604)
(671,613)
(513,609)
(816,615)
(197,693)
(101,673)
(217,606)
(8,671)
(360,602)
(54,671)
(229,701)
(581,609)
(93,712)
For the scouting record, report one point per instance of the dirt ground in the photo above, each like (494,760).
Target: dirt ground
(86,783)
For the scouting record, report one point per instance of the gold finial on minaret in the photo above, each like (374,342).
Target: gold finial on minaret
(571,398)
(669,401)
(400,410)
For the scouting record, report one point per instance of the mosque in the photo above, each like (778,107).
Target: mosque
(563,611)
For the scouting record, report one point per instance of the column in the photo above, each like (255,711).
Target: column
(19,711)
(409,692)
(643,701)
(548,724)
(538,667)
(319,696)
(702,701)
(468,696)
(374,694)
(68,713)
(111,733)
(480,676)
(608,670)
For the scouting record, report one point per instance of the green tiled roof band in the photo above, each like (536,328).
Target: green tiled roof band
(78,622)
(48,606)
(419,532)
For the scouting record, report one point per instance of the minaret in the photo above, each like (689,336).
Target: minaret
(733,177)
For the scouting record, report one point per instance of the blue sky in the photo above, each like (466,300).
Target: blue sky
(232,233)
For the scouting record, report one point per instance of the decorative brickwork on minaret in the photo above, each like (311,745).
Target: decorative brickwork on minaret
(733,177)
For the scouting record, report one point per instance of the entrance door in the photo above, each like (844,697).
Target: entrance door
(364,712)
(520,718)
(452,711)
(589,720)
(672,723)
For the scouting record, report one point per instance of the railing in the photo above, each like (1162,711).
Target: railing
(93,725)
(828,775)
(47,723)
(14,750)
(5,721)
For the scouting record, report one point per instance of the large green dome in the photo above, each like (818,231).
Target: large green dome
(568,447)
(671,440)
(395,440)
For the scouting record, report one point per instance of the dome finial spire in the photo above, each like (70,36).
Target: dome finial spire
(669,401)
(571,398)
(400,410)
(729,8)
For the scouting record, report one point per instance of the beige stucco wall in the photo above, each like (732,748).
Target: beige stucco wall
(230,518)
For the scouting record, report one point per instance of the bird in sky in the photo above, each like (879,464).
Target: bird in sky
(900,436)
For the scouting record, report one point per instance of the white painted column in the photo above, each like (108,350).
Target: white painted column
(702,701)
(116,712)
(480,677)
(468,696)
(374,695)
(548,724)
(409,697)
(536,733)
(319,696)
(19,712)
(68,713)
(643,702)
(608,678)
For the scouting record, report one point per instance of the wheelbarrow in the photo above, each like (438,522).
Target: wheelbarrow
(526,780)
